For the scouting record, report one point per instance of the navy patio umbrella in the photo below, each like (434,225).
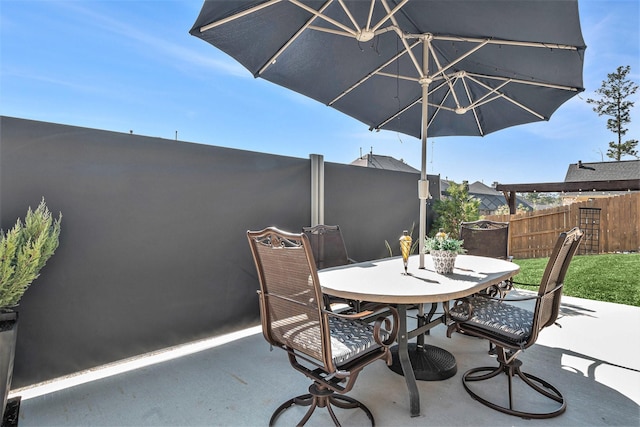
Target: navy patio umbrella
(420,67)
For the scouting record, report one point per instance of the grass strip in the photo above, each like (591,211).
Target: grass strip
(606,277)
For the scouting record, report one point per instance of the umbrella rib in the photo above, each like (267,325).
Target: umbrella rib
(371,74)
(344,33)
(473,110)
(273,59)
(458,76)
(330,31)
(412,56)
(400,112)
(396,76)
(438,108)
(525,82)
(451,88)
(524,107)
(509,42)
(390,14)
(238,15)
(349,14)
(403,39)
(441,69)
(481,101)
(505,97)
(497,41)
(370,16)
(446,77)
(317,14)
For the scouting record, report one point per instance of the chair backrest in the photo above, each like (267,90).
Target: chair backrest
(550,291)
(486,238)
(327,245)
(291,302)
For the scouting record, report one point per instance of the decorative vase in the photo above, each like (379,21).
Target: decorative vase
(405,248)
(443,261)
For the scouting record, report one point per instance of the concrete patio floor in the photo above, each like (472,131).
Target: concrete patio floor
(593,359)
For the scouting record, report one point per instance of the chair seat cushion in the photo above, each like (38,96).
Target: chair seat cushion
(499,318)
(351,338)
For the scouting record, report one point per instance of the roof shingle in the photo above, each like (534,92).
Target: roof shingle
(603,171)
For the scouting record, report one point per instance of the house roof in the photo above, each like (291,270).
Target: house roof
(480,188)
(603,171)
(377,161)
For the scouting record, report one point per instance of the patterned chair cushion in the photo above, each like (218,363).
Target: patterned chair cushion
(500,318)
(351,338)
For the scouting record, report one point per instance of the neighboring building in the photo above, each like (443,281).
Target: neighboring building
(599,171)
(490,198)
(377,161)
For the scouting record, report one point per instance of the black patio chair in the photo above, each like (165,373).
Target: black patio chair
(329,348)
(329,250)
(490,239)
(327,244)
(512,329)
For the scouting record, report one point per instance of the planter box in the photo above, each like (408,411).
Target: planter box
(8,334)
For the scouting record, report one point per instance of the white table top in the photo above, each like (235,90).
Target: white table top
(384,280)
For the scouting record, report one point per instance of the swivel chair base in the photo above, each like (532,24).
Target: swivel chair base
(511,370)
(320,397)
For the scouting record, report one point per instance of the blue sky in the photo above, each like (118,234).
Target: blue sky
(124,65)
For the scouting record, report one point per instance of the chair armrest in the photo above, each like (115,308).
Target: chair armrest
(465,300)
(382,312)
(462,301)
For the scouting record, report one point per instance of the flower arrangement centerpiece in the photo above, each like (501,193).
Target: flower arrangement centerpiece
(443,250)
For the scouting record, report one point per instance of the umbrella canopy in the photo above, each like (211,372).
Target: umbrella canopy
(419,67)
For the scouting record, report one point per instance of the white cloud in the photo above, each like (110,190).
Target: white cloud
(159,41)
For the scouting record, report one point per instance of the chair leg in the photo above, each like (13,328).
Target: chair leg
(321,397)
(512,369)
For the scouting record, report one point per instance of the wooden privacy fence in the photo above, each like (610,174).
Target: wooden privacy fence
(611,224)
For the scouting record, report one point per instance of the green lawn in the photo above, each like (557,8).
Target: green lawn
(607,277)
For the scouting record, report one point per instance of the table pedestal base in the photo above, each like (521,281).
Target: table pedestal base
(430,363)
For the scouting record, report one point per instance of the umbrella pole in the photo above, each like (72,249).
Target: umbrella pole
(423,184)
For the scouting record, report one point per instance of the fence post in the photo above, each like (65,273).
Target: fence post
(317,189)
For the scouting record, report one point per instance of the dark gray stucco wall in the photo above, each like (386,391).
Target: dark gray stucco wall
(153,250)
(371,206)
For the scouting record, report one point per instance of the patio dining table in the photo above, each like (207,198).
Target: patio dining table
(384,281)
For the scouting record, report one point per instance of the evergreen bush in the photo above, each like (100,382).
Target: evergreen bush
(24,250)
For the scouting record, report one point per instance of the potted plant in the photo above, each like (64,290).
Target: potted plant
(443,250)
(24,250)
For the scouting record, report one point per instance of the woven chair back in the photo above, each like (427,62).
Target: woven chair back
(327,244)
(291,298)
(550,291)
(486,238)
